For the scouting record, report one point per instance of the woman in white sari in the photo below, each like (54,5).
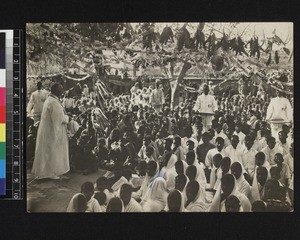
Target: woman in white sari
(216,170)
(227,188)
(194,202)
(168,171)
(242,185)
(200,175)
(152,173)
(78,203)
(181,182)
(180,167)
(156,198)
(261,175)
(221,171)
(175,202)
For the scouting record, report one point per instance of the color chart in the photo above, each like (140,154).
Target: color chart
(2,116)
(10,115)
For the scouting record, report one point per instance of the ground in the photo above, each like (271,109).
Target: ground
(54,195)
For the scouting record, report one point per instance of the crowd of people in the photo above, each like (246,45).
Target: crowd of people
(227,153)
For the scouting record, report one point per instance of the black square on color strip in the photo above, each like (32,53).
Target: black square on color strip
(2,41)
(2,50)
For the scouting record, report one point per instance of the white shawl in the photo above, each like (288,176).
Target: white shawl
(218,206)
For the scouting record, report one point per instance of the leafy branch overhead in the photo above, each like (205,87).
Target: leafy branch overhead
(213,49)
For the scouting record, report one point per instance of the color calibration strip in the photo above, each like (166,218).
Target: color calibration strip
(13,110)
(2,115)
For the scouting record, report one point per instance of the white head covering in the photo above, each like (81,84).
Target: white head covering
(156,196)
(216,202)
(147,181)
(170,166)
(197,203)
(254,194)
(218,206)
(72,207)
(158,189)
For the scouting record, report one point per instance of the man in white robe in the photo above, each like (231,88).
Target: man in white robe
(36,102)
(207,105)
(52,146)
(279,111)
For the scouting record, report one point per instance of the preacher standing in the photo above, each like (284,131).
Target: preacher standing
(52,153)
(279,112)
(206,105)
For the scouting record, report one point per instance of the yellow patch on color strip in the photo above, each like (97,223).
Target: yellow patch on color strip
(2,133)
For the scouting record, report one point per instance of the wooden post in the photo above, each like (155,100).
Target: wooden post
(175,88)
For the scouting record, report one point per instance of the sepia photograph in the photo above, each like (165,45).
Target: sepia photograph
(160,117)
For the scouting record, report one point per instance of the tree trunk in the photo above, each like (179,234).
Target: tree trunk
(175,88)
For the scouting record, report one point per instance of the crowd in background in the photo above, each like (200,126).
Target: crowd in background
(163,159)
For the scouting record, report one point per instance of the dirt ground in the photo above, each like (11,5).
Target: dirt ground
(48,195)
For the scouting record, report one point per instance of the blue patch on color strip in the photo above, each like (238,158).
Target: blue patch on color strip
(2,169)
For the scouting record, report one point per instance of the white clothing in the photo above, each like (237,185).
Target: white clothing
(155,199)
(197,205)
(280,108)
(241,136)
(169,172)
(206,104)
(133,206)
(270,153)
(218,206)
(210,154)
(243,186)
(285,147)
(257,189)
(52,145)
(93,206)
(248,161)
(222,135)
(36,103)
(235,154)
